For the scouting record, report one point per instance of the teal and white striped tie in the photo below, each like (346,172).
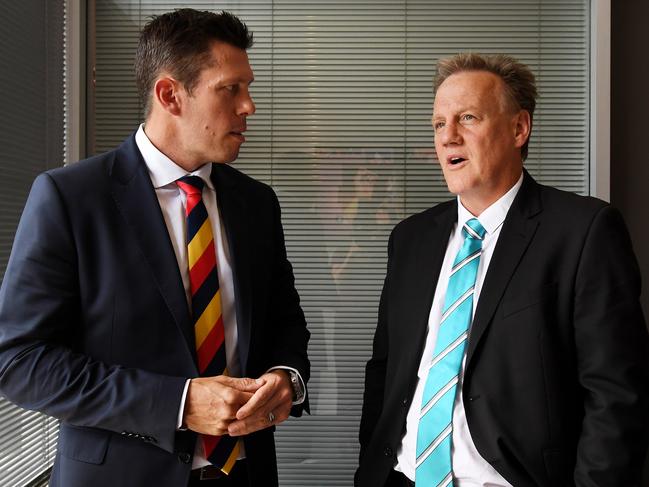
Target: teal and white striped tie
(433,465)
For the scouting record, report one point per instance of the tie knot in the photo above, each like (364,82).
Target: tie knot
(473,229)
(191,185)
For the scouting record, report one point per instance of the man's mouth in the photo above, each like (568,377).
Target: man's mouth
(239,134)
(455,160)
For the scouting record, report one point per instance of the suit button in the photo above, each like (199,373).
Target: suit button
(388,451)
(184,457)
(404,402)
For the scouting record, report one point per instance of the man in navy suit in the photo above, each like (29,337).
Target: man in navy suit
(545,383)
(96,325)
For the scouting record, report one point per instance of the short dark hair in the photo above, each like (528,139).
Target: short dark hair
(179,42)
(520,85)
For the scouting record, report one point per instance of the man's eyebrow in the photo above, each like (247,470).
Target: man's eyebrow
(234,80)
(468,108)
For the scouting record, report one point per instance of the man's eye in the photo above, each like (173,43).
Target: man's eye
(468,116)
(230,87)
(438,125)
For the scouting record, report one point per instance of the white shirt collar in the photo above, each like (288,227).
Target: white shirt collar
(162,170)
(494,215)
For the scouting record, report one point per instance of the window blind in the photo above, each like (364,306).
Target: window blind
(342,132)
(31,140)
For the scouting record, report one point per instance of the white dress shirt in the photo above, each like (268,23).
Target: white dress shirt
(164,173)
(469,468)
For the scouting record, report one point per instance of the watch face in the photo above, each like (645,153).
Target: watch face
(298,393)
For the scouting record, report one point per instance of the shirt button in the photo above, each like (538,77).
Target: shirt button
(184,457)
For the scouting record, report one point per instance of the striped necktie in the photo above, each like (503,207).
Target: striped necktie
(221,451)
(433,464)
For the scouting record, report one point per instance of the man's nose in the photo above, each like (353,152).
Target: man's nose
(449,134)
(247,106)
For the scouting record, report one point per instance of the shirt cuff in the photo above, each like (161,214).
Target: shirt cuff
(299,377)
(181,411)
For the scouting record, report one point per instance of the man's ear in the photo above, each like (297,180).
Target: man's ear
(167,94)
(522,127)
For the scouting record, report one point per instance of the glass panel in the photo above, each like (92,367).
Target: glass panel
(342,132)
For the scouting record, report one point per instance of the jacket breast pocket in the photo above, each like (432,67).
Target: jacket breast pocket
(519,300)
(87,445)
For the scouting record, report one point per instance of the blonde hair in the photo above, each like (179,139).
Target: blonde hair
(520,84)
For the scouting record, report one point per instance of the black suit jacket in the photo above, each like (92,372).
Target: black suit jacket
(555,386)
(95,328)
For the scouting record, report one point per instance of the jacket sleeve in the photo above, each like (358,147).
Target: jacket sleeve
(41,365)
(612,357)
(292,337)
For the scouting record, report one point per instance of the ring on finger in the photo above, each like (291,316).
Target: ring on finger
(271,417)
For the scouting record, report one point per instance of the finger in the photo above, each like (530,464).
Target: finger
(257,401)
(210,406)
(244,384)
(219,428)
(280,407)
(232,399)
(276,391)
(256,422)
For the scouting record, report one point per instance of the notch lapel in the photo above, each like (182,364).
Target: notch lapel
(425,263)
(518,230)
(136,200)
(232,211)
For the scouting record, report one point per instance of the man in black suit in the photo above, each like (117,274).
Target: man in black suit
(98,308)
(546,378)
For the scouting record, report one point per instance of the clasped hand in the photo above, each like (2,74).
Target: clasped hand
(237,406)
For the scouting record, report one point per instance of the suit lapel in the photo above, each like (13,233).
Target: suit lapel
(136,200)
(232,212)
(518,230)
(427,258)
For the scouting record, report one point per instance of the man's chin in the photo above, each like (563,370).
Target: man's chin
(454,187)
(227,158)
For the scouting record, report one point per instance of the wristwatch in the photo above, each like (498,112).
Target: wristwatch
(296,385)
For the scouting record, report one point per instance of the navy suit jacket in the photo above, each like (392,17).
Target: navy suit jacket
(95,328)
(556,380)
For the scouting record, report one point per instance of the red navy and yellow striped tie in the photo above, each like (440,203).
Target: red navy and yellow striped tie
(221,451)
